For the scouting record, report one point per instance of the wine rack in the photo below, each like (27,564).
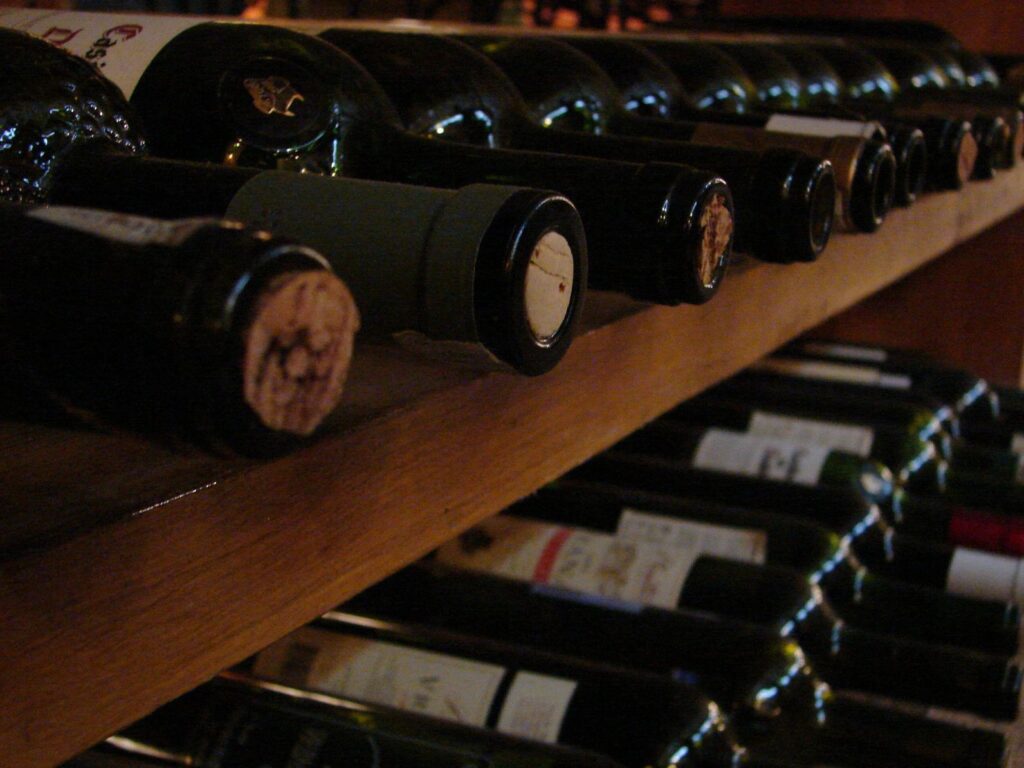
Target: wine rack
(132,571)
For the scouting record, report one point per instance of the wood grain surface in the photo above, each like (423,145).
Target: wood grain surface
(180,565)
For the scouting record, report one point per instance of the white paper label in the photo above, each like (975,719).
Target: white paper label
(821,126)
(383,673)
(756,456)
(122,227)
(841,372)
(535,706)
(843,437)
(846,352)
(986,576)
(743,544)
(119,45)
(1017,443)
(573,558)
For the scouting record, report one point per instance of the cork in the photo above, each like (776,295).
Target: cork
(716,229)
(967,158)
(548,286)
(297,350)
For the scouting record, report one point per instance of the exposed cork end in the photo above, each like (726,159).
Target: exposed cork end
(967,158)
(297,350)
(716,226)
(548,286)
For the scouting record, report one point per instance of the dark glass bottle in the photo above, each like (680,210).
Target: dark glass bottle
(237,722)
(776,702)
(738,453)
(928,86)
(876,544)
(951,149)
(757,537)
(662,575)
(971,396)
(914,460)
(946,521)
(480,273)
(761,183)
(637,718)
(648,223)
(190,328)
(565,89)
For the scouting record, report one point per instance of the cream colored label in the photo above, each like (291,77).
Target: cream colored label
(548,286)
(122,227)
(756,456)
(847,352)
(840,372)
(986,576)
(743,544)
(821,126)
(844,437)
(1017,443)
(383,673)
(573,558)
(535,706)
(118,45)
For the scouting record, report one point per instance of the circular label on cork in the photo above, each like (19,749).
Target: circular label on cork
(274,103)
(548,286)
(716,229)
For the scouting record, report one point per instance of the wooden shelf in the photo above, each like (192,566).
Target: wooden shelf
(151,570)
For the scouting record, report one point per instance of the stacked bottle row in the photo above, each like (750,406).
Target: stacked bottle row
(612,137)
(799,567)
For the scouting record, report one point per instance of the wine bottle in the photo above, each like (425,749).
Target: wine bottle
(930,87)
(958,570)
(194,328)
(646,221)
(971,396)
(760,456)
(777,393)
(637,718)
(650,89)
(104,758)
(762,183)
(951,149)
(778,705)
(756,537)
(473,268)
(484,275)
(556,81)
(942,520)
(914,462)
(236,722)
(667,576)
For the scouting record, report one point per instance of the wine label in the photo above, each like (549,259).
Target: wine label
(846,352)
(986,576)
(548,286)
(744,544)
(119,45)
(1017,442)
(573,558)
(757,456)
(425,682)
(839,372)
(121,227)
(821,126)
(384,673)
(535,706)
(988,531)
(844,437)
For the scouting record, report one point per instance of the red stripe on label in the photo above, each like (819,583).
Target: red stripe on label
(987,531)
(546,561)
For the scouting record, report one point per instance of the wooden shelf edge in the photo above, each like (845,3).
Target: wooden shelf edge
(108,625)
